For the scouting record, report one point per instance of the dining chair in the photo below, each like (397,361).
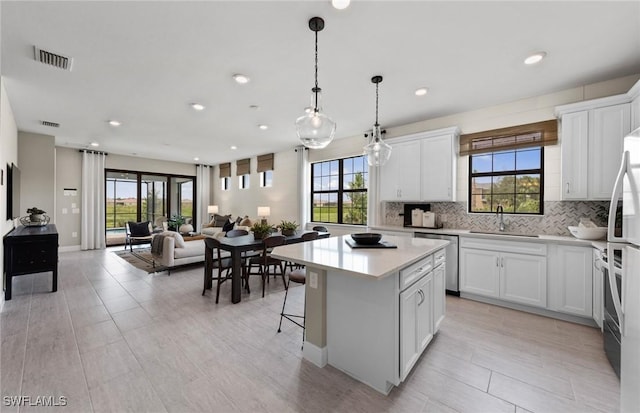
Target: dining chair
(213,260)
(265,261)
(245,255)
(298,276)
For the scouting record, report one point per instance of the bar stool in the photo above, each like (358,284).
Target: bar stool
(298,276)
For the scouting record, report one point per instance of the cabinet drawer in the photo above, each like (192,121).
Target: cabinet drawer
(413,272)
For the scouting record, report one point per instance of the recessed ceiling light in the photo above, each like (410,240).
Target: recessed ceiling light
(197,106)
(421,92)
(233,148)
(263,127)
(340,4)
(196,159)
(95,144)
(114,122)
(254,107)
(241,79)
(535,58)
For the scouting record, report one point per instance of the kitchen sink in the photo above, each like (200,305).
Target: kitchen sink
(516,234)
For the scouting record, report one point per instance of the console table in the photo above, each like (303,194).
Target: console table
(29,250)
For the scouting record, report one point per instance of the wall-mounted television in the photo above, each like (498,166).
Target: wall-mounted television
(13,191)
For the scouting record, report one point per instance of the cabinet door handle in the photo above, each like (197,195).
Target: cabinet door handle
(421,297)
(497,261)
(567,187)
(502,262)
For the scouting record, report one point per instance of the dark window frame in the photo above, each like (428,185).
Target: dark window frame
(515,172)
(263,176)
(243,181)
(340,192)
(224,183)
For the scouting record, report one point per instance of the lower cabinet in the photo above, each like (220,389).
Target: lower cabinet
(416,322)
(571,279)
(439,299)
(507,270)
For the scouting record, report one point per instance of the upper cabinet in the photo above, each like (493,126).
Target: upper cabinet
(591,145)
(634,95)
(422,167)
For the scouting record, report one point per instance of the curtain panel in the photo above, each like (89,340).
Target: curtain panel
(92,229)
(203,193)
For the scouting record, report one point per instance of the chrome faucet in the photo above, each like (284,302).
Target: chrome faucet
(500,214)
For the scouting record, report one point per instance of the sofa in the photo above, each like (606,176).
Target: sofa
(223,223)
(170,250)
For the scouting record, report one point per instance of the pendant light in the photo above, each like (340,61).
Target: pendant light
(315,129)
(378,152)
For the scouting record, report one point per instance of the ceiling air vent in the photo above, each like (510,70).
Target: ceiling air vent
(50,124)
(52,59)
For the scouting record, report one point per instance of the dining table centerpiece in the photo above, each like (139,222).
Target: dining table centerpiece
(261,230)
(288,228)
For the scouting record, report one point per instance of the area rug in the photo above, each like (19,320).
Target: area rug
(140,258)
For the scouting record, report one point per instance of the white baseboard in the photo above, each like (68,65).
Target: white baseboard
(69,248)
(315,354)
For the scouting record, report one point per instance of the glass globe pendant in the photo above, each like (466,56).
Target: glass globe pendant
(378,152)
(315,129)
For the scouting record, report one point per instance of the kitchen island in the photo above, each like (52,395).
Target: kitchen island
(370,312)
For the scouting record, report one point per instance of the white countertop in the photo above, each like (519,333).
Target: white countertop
(334,254)
(467,233)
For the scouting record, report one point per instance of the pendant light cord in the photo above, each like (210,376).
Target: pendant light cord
(315,89)
(377,105)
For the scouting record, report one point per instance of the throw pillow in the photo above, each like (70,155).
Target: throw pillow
(246,222)
(179,241)
(239,220)
(228,226)
(220,220)
(139,229)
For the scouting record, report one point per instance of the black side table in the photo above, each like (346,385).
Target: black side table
(29,250)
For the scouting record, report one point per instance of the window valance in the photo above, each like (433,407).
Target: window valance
(265,162)
(515,137)
(243,166)
(225,170)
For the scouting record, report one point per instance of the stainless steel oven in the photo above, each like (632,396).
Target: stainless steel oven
(611,323)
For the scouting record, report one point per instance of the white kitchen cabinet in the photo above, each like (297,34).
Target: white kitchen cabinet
(439,299)
(479,272)
(523,279)
(571,279)
(422,167)
(598,289)
(634,95)
(591,144)
(416,322)
(400,176)
(439,168)
(508,270)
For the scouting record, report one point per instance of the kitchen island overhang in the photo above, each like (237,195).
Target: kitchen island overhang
(370,312)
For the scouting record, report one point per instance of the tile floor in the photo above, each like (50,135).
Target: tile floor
(115,339)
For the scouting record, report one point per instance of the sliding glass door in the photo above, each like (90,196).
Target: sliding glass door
(139,196)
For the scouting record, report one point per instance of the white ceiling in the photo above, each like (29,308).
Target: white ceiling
(143,63)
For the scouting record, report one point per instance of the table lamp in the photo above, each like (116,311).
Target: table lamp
(212,209)
(264,212)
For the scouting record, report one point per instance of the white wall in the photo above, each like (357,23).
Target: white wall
(8,154)
(282,197)
(36,159)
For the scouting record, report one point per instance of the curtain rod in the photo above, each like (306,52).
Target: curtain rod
(91,151)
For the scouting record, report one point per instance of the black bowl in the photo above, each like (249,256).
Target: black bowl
(366,238)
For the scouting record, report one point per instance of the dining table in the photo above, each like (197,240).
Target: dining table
(236,246)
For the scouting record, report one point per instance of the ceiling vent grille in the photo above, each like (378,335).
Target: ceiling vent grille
(50,124)
(52,59)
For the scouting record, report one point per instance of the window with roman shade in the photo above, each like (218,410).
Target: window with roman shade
(225,175)
(243,168)
(506,167)
(265,170)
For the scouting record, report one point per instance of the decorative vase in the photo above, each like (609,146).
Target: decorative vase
(288,232)
(258,236)
(185,228)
